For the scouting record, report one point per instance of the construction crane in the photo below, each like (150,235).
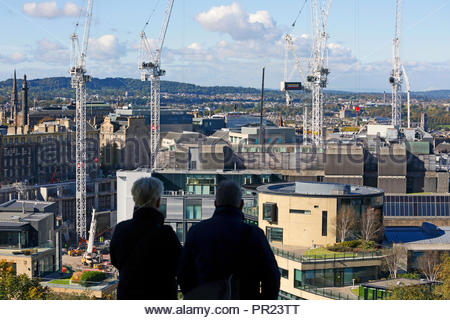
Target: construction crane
(289,47)
(319,65)
(396,74)
(150,66)
(78,81)
(408,91)
(91,256)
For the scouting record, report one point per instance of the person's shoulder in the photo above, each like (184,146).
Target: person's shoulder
(123,227)
(124,224)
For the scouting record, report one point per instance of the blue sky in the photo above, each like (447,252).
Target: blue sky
(221,42)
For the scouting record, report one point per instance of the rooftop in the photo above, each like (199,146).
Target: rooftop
(426,234)
(322,189)
(28,206)
(392,283)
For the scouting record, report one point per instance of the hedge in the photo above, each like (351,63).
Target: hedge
(352,245)
(92,277)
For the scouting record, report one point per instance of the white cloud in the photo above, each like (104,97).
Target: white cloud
(238,23)
(51,10)
(52,53)
(13,58)
(106,47)
(70,9)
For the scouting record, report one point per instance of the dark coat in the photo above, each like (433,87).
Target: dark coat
(212,252)
(146,253)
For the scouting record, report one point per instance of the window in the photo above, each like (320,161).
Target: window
(193,211)
(274,234)
(284,273)
(297,279)
(297,211)
(270,212)
(324,223)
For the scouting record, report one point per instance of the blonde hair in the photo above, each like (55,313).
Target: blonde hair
(146,192)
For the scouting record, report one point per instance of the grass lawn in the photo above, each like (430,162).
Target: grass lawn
(322,252)
(61,281)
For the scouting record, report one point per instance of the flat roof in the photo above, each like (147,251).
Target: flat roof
(392,283)
(418,235)
(219,171)
(26,205)
(319,189)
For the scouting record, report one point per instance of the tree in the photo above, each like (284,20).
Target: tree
(371,225)
(346,221)
(442,291)
(418,292)
(394,258)
(429,265)
(19,287)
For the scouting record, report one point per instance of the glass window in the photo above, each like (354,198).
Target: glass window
(193,211)
(284,273)
(274,234)
(297,279)
(328,276)
(270,212)
(298,211)
(324,223)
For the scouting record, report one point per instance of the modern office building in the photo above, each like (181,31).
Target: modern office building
(171,119)
(189,195)
(28,239)
(208,126)
(300,216)
(415,209)
(101,195)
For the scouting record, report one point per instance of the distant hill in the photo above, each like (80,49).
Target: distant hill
(434,94)
(60,87)
(50,88)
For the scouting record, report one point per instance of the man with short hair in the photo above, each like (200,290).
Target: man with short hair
(144,250)
(225,245)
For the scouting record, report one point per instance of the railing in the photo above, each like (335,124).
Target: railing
(329,293)
(326,257)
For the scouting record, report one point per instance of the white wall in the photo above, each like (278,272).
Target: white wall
(125,203)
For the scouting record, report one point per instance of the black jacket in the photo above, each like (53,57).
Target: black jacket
(146,253)
(212,252)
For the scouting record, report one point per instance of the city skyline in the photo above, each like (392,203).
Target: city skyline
(227,43)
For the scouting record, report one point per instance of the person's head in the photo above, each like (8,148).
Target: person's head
(147,192)
(229,194)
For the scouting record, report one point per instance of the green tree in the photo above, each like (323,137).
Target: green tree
(442,291)
(19,287)
(419,292)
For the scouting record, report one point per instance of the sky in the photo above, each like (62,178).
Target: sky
(221,42)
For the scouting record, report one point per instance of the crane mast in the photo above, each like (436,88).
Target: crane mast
(289,47)
(150,66)
(396,74)
(319,67)
(78,82)
(408,90)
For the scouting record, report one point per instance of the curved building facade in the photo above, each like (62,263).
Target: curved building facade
(305,214)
